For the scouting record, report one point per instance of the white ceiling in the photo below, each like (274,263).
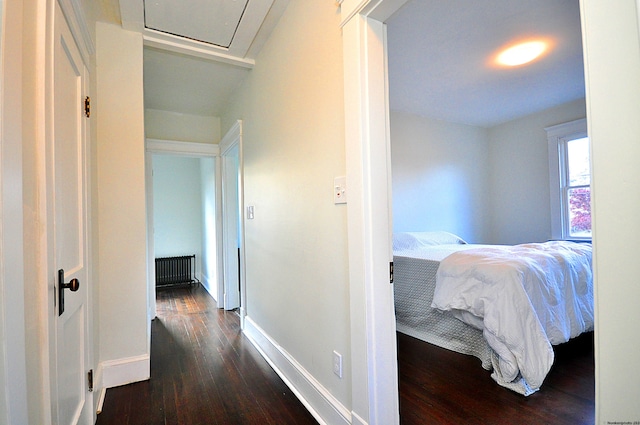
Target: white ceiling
(440,52)
(214,22)
(198,51)
(187,84)
(438,57)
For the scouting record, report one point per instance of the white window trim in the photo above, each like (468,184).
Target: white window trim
(556,136)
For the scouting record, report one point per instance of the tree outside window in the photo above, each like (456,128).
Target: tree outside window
(577,188)
(569,180)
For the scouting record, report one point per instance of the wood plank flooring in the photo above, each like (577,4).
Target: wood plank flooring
(204,371)
(438,386)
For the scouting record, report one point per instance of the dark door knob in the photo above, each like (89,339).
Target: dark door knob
(73,285)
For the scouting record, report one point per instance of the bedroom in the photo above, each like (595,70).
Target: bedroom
(469,150)
(473,143)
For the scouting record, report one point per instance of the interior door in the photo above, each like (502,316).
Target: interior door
(67,163)
(231,228)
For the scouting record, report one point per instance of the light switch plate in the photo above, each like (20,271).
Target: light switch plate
(340,190)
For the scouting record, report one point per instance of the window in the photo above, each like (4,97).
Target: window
(570,180)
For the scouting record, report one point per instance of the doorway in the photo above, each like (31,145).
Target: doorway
(364,38)
(221,262)
(181,209)
(233,254)
(68,237)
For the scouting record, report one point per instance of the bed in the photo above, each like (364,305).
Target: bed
(506,305)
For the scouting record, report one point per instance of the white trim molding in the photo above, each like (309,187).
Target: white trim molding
(75,15)
(374,386)
(555,134)
(567,129)
(231,201)
(113,373)
(194,48)
(14,308)
(175,147)
(379,10)
(324,407)
(246,35)
(231,138)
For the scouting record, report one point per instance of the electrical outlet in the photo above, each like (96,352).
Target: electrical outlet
(337,364)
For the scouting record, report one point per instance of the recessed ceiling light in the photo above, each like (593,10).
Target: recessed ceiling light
(521,53)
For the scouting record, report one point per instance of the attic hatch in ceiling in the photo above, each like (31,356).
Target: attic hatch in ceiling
(209,21)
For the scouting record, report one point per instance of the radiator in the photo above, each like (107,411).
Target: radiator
(172,271)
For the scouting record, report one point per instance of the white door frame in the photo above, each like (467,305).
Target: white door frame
(13,370)
(166,147)
(198,150)
(373,330)
(612,77)
(87,415)
(232,140)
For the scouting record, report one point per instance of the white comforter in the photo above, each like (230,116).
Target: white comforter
(525,298)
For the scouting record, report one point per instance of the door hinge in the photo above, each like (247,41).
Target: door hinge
(391,272)
(87,106)
(90,380)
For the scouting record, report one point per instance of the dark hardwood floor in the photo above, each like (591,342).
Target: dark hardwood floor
(204,371)
(438,386)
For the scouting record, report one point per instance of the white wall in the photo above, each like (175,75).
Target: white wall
(121,197)
(177,206)
(166,125)
(292,109)
(519,175)
(16,348)
(208,258)
(613,107)
(486,185)
(440,177)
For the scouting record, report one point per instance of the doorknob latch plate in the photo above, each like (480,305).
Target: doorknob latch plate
(73,285)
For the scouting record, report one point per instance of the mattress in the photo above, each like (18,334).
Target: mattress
(417,270)
(525,298)
(414,285)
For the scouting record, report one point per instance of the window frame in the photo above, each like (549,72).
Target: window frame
(557,138)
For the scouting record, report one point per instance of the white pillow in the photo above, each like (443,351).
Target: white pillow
(416,240)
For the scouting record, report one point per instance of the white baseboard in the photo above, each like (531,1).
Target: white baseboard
(325,408)
(103,393)
(206,284)
(113,373)
(357,420)
(99,390)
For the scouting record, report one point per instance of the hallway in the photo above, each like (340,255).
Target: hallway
(203,371)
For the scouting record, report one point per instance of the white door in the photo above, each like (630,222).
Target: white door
(67,159)
(231,228)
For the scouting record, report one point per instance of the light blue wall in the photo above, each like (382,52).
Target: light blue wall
(177,206)
(440,177)
(209,248)
(485,185)
(519,180)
